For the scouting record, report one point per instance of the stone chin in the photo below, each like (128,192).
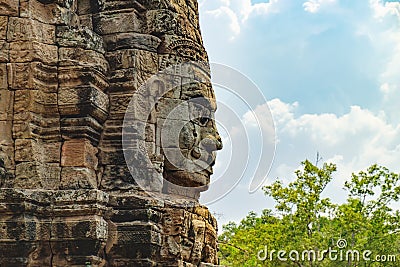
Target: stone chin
(196,175)
(191,180)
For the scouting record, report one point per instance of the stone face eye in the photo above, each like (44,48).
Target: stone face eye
(204,121)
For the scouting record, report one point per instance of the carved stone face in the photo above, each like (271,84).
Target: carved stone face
(189,161)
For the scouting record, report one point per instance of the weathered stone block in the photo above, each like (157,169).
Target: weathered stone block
(140,109)
(121,5)
(9,8)
(6,102)
(52,13)
(90,227)
(129,201)
(3,27)
(143,215)
(85,7)
(29,175)
(30,150)
(119,104)
(16,253)
(187,246)
(173,109)
(4,51)
(145,61)
(122,75)
(81,37)
(3,77)
(147,178)
(35,75)
(86,21)
(127,80)
(161,21)
(117,22)
(77,252)
(166,86)
(19,228)
(77,76)
(83,101)
(82,57)
(114,128)
(6,133)
(189,192)
(26,29)
(189,27)
(124,180)
(112,156)
(132,41)
(135,242)
(78,178)
(193,90)
(150,133)
(36,101)
(29,51)
(36,126)
(121,59)
(117,171)
(202,211)
(81,127)
(7,155)
(173,221)
(211,235)
(79,153)
(25,129)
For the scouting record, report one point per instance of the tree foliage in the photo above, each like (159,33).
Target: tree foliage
(311,231)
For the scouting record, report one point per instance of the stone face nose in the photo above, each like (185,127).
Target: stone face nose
(219,142)
(212,143)
(217,138)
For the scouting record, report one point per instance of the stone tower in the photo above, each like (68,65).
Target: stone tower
(107,134)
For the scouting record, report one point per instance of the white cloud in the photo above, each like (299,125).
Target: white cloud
(226,12)
(389,90)
(282,112)
(382,9)
(385,35)
(261,118)
(226,2)
(313,6)
(245,8)
(355,140)
(237,11)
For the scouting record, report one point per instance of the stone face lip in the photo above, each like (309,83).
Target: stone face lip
(77,188)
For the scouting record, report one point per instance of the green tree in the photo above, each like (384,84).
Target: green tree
(367,220)
(301,205)
(305,221)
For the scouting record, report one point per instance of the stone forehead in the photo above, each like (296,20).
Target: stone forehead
(198,92)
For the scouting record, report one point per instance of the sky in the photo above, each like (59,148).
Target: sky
(330,74)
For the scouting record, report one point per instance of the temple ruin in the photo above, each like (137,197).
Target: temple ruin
(90,173)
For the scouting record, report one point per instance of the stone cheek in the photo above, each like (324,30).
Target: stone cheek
(68,70)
